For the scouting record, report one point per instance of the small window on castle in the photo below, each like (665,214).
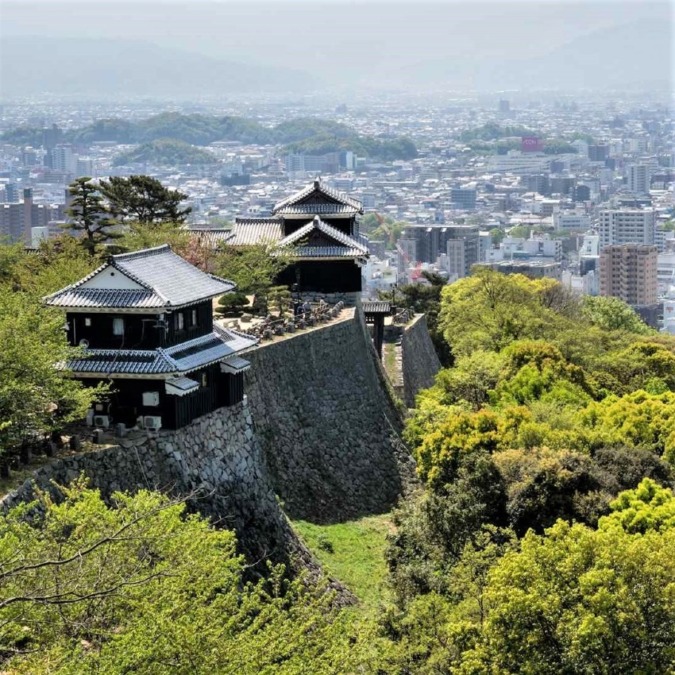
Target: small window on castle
(193,317)
(118,326)
(205,380)
(179,321)
(87,321)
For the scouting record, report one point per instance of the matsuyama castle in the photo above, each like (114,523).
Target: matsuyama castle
(320,226)
(144,321)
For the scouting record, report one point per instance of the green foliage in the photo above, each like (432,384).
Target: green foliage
(520,231)
(613,314)
(57,263)
(168,138)
(571,600)
(497,235)
(385,150)
(144,200)
(492,131)
(89,215)
(232,304)
(353,552)
(35,396)
(489,310)
(650,507)
(543,485)
(166,152)
(253,268)
(470,380)
(144,587)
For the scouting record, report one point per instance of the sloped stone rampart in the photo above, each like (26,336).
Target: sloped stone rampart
(217,459)
(418,358)
(328,424)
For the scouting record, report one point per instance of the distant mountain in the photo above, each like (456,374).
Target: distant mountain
(118,68)
(630,56)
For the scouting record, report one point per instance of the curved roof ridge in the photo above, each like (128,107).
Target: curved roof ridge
(143,253)
(318,186)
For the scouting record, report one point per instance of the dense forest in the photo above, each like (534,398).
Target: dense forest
(541,538)
(307,134)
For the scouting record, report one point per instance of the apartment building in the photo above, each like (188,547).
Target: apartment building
(626,226)
(629,272)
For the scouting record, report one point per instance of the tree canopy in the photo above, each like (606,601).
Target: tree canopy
(144,200)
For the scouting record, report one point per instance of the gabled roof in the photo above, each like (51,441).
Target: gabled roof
(151,278)
(333,244)
(172,361)
(320,194)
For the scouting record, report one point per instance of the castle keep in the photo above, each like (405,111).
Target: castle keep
(144,321)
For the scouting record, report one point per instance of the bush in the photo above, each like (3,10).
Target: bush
(232,304)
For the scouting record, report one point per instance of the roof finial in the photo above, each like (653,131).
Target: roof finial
(317,220)
(317,183)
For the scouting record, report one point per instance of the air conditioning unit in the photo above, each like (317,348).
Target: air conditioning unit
(102,421)
(152,422)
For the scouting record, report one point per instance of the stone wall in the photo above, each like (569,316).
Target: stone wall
(324,414)
(216,458)
(349,299)
(419,359)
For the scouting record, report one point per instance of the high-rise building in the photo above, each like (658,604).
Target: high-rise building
(463,198)
(432,241)
(629,272)
(598,153)
(504,105)
(638,178)
(64,159)
(11,193)
(626,226)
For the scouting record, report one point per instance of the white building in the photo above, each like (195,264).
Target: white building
(626,226)
(517,162)
(571,221)
(638,178)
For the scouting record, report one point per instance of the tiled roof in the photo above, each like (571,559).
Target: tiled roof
(320,189)
(182,384)
(344,246)
(312,209)
(100,297)
(178,359)
(167,280)
(212,238)
(376,307)
(248,231)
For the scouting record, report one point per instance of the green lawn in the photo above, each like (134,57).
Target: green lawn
(357,555)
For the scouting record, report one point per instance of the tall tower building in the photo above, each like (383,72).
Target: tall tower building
(63,158)
(626,226)
(638,178)
(629,272)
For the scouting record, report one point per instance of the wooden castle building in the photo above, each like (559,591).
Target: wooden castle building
(320,226)
(144,322)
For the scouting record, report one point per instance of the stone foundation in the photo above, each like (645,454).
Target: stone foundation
(216,459)
(328,423)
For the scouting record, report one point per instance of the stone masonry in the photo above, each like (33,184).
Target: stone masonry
(328,423)
(216,458)
(419,360)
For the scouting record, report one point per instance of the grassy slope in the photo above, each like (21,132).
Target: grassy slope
(357,557)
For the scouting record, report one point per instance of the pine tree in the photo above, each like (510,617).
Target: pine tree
(144,200)
(89,215)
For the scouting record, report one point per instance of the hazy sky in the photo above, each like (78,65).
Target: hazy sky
(291,33)
(355,39)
